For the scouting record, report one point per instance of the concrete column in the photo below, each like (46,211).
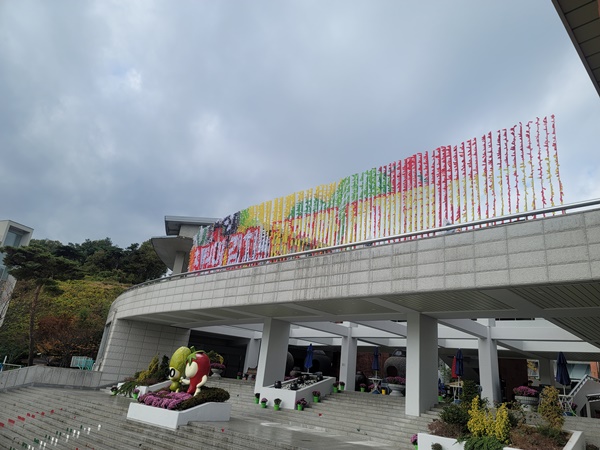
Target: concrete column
(348,361)
(252,351)
(273,353)
(547,375)
(180,261)
(421,363)
(489,375)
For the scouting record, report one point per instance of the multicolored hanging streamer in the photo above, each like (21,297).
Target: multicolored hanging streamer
(417,193)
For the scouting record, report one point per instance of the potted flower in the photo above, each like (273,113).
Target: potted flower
(301,404)
(263,402)
(335,387)
(363,387)
(136,393)
(396,385)
(316,396)
(342,386)
(257,397)
(114,390)
(276,404)
(414,440)
(217,368)
(239,375)
(526,395)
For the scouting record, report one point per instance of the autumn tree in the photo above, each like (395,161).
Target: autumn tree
(36,264)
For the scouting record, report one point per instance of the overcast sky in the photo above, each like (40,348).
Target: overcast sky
(114,114)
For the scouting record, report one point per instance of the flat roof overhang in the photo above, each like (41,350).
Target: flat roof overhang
(167,247)
(581,19)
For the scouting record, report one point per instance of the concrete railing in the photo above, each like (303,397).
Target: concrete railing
(50,376)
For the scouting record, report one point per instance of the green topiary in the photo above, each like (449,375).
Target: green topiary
(207,394)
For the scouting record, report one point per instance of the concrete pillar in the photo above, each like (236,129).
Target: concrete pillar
(348,362)
(179,263)
(421,363)
(273,353)
(252,351)
(547,375)
(489,375)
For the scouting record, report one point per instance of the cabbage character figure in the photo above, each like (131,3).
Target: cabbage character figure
(177,367)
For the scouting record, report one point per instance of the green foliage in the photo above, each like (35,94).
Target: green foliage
(215,357)
(52,299)
(127,388)
(470,390)
(556,434)
(207,394)
(550,408)
(456,415)
(483,443)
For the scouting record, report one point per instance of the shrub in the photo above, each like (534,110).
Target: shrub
(206,395)
(455,414)
(483,443)
(470,390)
(550,408)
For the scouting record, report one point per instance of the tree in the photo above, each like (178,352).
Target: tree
(36,264)
(7,285)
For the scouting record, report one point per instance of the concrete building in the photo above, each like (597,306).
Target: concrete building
(525,289)
(12,234)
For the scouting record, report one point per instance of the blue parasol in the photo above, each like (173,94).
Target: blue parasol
(562,371)
(308,361)
(375,364)
(460,370)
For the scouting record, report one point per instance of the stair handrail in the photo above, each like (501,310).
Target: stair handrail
(579,385)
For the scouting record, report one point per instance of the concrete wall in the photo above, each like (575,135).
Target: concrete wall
(131,346)
(559,249)
(50,376)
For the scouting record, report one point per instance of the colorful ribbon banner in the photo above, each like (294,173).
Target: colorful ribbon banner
(455,184)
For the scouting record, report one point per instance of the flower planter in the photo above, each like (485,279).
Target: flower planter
(263,405)
(363,389)
(396,390)
(299,407)
(207,412)
(335,390)
(216,372)
(276,407)
(257,401)
(316,399)
(532,401)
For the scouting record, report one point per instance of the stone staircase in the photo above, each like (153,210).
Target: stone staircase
(92,419)
(78,418)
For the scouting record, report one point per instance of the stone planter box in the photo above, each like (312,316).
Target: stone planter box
(160,417)
(290,397)
(576,442)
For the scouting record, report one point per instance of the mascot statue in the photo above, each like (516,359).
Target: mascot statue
(196,372)
(177,367)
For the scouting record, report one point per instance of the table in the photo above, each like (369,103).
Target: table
(456,387)
(376,385)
